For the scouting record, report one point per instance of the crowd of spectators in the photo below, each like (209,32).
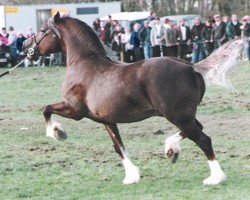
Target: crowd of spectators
(170,38)
(151,39)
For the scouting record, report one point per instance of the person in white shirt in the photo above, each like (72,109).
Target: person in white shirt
(127,47)
(157,38)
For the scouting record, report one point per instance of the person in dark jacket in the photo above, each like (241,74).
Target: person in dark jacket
(183,38)
(19,41)
(233,28)
(116,46)
(135,42)
(103,34)
(207,37)
(245,34)
(108,30)
(144,36)
(219,32)
(170,38)
(198,50)
(96,24)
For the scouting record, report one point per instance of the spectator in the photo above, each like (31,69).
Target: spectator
(198,51)
(127,47)
(113,28)
(170,37)
(12,45)
(116,45)
(102,33)
(58,60)
(30,32)
(144,36)
(96,24)
(157,37)
(245,33)
(225,19)
(219,32)
(4,32)
(207,37)
(108,30)
(233,28)
(248,23)
(152,18)
(19,44)
(183,38)
(3,40)
(166,24)
(135,41)
(118,30)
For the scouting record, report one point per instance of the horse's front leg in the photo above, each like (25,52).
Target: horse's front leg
(54,129)
(132,174)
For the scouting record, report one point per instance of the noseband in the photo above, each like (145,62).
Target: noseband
(34,48)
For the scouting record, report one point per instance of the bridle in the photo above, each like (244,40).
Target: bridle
(34,48)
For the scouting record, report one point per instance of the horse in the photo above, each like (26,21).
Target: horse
(110,92)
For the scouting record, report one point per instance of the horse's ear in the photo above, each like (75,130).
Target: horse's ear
(57,17)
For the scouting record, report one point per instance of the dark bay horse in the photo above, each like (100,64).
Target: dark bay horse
(111,92)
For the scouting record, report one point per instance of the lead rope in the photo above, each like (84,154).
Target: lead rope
(29,54)
(7,72)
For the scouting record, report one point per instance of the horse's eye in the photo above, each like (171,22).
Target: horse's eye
(42,30)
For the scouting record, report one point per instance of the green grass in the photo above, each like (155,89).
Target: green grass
(86,166)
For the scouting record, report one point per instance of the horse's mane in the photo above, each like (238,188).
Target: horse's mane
(89,39)
(217,67)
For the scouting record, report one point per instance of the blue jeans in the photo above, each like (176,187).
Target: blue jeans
(148,52)
(198,51)
(248,52)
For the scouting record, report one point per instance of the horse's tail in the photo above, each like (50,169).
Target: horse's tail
(216,68)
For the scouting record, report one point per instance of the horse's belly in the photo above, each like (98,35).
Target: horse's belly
(121,116)
(121,111)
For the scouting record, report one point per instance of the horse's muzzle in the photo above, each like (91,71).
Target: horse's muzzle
(30,50)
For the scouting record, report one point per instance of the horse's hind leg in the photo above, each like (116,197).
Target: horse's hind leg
(54,129)
(193,132)
(132,174)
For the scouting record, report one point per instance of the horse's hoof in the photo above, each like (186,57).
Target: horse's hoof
(132,173)
(172,147)
(132,179)
(172,155)
(60,135)
(56,132)
(214,180)
(175,157)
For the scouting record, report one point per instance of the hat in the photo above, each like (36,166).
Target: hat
(216,16)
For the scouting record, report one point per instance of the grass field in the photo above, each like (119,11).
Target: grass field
(86,167)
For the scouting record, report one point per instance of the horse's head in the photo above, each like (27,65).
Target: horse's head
(46,41)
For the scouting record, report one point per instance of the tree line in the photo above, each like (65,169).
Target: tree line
(162,7)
